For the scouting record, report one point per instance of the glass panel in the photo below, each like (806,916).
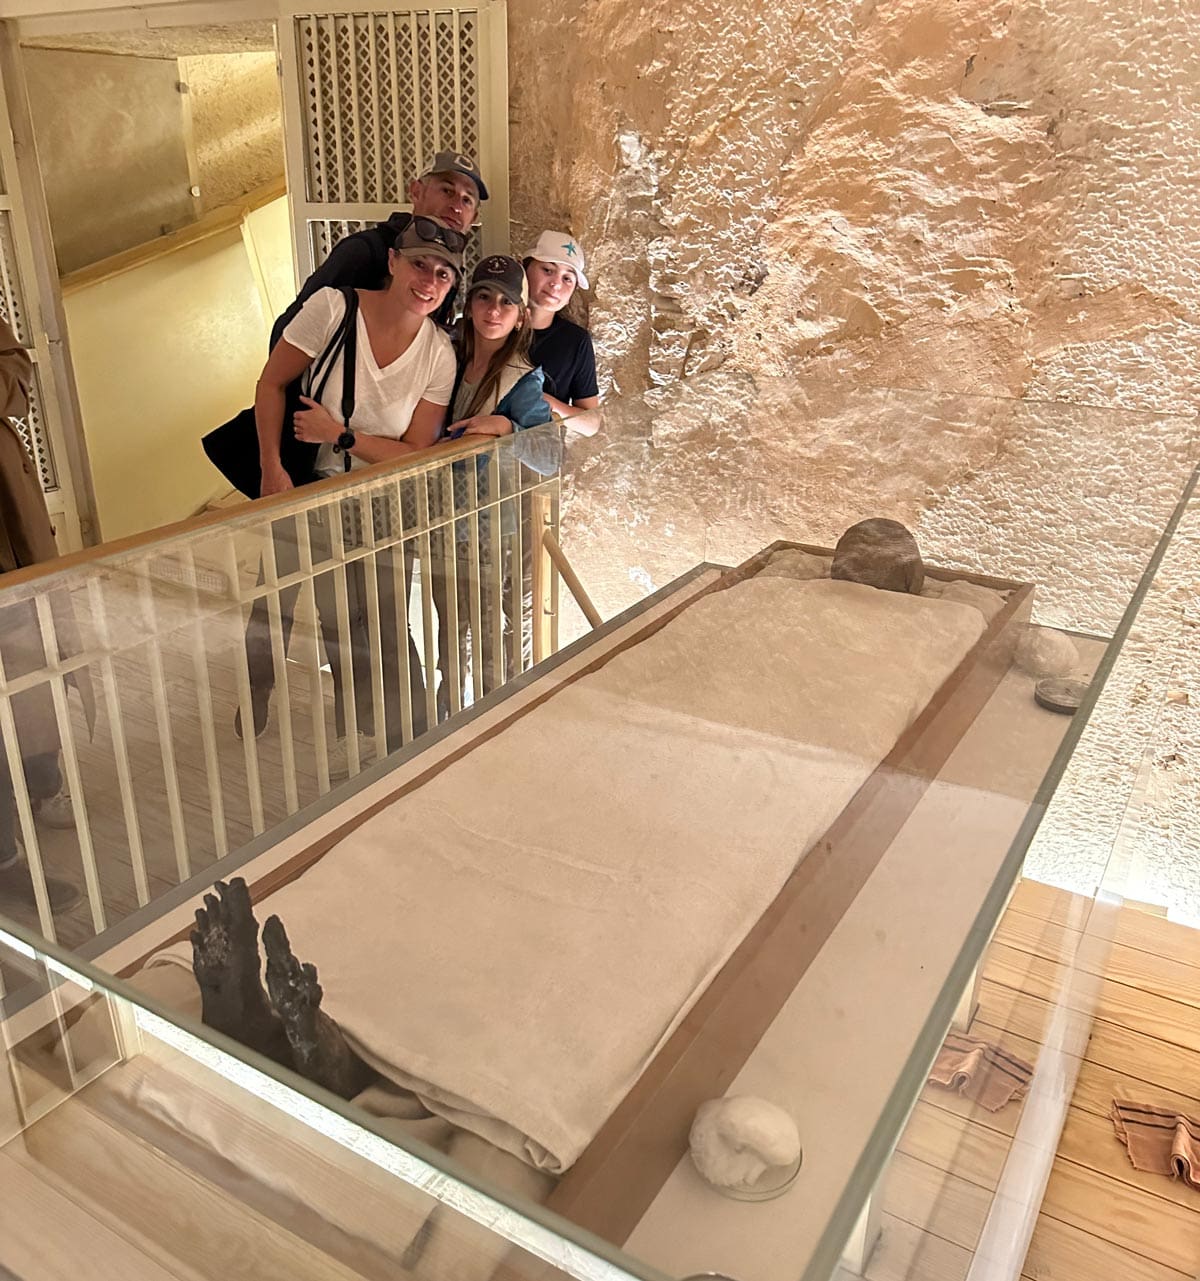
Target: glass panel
(137,1141)
(733,859)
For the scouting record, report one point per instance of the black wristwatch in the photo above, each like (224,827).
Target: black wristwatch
(345,442)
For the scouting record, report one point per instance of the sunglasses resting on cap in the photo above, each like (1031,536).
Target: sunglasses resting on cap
(427,235)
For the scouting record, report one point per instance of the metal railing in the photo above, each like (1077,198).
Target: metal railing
(342,620)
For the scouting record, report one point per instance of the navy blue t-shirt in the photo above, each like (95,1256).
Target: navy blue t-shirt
(564,351)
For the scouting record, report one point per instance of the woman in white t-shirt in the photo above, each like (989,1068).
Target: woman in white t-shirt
(403,381)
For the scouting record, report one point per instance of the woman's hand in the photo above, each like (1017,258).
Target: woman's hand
(274,480)
(315,425)
(482,425)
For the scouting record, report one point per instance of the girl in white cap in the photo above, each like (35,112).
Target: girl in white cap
(563,349)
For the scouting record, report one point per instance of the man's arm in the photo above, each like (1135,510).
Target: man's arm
(352,263)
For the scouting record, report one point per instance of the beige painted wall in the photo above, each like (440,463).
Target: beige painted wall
(163,353)
(109,134)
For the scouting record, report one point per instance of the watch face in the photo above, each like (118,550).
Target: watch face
(346,440)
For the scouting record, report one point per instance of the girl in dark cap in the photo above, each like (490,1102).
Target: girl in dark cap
(498,393)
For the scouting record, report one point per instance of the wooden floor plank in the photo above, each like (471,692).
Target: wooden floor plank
(1155,934)
(1051,939)
(1062,1252)
(905,1253)
(1117,1003)
(935,1201)
(1114,1211)
(1049,903)
(1098,1085)
(955,1144)
(1143,1057)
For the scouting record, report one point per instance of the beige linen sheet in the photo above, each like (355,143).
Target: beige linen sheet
(515,939)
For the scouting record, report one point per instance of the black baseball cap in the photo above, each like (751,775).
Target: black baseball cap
(454,162)
(505,275)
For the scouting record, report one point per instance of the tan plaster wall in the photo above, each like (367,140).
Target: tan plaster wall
(237,124)
(165,352)
(109,134)
(950,196)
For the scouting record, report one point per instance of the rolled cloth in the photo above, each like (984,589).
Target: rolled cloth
(515,938)
(1159,1140)
(981,1071)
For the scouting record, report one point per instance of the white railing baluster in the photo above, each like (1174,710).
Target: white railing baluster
(555,576)
(375,630)
(16,773)
(475,586)
(494,622)
(428,656)
(241,670)
(308,599)
(451,661)
(116,723)
(166,741)
(345,663)
(204,709)
(283,693)
(66,738)
(400,585)
(516,575)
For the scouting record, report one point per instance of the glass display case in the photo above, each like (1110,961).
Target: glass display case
(672,954)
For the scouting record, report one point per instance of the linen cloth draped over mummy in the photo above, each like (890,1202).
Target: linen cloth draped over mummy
(514,939)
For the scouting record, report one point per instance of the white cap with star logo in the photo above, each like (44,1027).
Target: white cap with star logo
(558,247)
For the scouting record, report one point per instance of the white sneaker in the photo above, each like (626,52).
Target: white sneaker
(339,756)
(56,811)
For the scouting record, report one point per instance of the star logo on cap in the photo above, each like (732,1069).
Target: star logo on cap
(570,248)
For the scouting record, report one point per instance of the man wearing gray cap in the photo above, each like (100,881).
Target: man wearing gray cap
(451,191)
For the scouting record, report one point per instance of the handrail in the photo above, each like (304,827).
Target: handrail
(225,218)
(272,507)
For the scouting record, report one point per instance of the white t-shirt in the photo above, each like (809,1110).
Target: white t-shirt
(384,399)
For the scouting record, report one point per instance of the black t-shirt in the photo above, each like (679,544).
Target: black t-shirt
(565,352)
(360,261)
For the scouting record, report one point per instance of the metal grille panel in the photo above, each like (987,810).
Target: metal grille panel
(33,427)
(12,304)
(382,94)
(32,430)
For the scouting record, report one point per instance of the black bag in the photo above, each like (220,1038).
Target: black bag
(232,448)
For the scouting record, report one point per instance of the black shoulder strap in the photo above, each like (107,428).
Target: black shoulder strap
(343,342)
(349,358)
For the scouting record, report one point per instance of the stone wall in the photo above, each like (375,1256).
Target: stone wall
(237,123)
(787,206)
(982,196)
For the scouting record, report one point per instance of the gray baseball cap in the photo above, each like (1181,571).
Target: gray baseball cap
(453,162)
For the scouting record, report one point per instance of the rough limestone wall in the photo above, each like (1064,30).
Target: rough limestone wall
(952,197)
(237,123)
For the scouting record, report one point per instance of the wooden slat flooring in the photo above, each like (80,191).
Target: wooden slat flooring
(1100,1218)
